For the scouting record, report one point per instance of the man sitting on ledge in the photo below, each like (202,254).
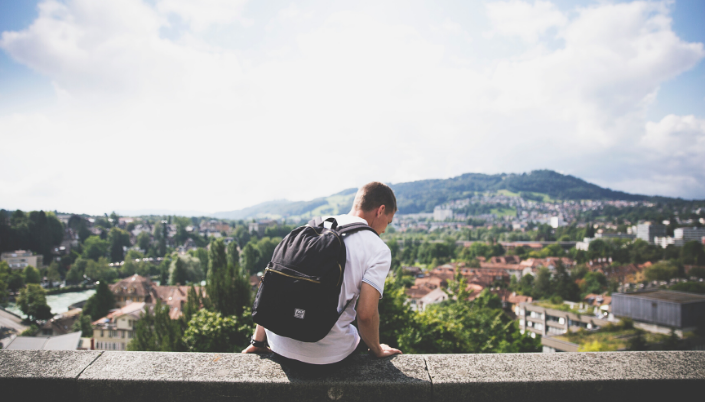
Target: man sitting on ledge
(368,262)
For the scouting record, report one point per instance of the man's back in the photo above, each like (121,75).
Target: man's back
(368,260)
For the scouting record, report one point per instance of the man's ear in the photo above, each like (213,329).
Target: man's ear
(381,210)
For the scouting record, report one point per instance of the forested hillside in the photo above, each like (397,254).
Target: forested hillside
(424,195)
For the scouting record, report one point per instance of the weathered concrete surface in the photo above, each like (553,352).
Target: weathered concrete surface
(154,377)
(615,376)
(145,376)
(38,374)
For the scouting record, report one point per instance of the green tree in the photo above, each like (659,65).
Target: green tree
(177,272)
(83,324)
(476,249)
(53,274)
(209,331)
(202,255)
(227,286)
(94,248)
(5,273)
(233,254)
(526,285)
(480,326)
(75,274)
(100,270)
(594,282)
(31,275)
(194,302)
(661,271)
(266,246)
(15,281)
(118,239)
(692,253)
(542,284)
(32,301)
(156,331)
(698,272)
(250,258)
(144,240)
(100,304)
(395,315)
(564,285)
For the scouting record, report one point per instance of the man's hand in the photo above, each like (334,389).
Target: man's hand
(254,349)
(385,351)
(259,334)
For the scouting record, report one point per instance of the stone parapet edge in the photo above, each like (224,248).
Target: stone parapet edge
(154,376)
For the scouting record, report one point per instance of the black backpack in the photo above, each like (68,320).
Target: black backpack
(298,295)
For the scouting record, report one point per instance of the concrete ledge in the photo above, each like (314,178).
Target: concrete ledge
(615,376)
(33,373)
(144,376)
(151,376)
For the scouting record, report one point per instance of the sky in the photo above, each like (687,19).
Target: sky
(216,105)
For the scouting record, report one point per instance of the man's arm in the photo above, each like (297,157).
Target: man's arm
(260,336)
(368,321)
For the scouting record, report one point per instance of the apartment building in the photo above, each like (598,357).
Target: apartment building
(116,330)
(19,259)
(684,235)
(542,320)
(647,231)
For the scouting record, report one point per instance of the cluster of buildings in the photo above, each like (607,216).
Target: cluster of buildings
(555,213)
(428,288)
(133,296)
(652,233)
(654,310)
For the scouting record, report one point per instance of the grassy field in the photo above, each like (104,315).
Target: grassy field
(562,307)
(502,212)
(333,207)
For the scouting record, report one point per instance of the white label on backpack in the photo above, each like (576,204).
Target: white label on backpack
(299,313)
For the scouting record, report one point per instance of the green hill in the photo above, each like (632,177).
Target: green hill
(424,195)
(335,204)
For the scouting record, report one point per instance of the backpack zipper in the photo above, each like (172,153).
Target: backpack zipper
(295,277)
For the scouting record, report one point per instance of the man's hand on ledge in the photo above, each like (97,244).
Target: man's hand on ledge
(385,351)
(254,349)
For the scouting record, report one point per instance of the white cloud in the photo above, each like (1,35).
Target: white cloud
(286,15)
(525,20)
(454,28)
(203,13)
(183,124)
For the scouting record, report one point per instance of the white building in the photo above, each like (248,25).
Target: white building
(437,295)
(441,214)
(647,231)
(19,259)
(664,241)
(557,221)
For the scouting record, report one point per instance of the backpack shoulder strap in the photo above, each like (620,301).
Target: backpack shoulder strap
(347,230)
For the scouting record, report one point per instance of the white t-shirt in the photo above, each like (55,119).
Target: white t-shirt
(368,260)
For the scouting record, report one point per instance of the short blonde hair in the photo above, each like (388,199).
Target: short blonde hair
(373,195)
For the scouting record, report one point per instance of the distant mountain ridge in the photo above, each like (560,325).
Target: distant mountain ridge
(424,195)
